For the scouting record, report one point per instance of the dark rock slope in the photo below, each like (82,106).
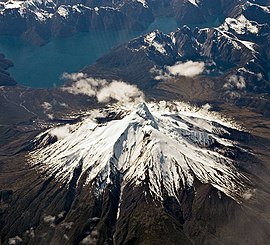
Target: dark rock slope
(5,79)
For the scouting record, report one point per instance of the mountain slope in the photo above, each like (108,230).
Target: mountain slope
(153,173)
(168,149)
(104,179)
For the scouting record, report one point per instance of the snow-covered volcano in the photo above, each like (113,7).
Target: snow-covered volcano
(164,146)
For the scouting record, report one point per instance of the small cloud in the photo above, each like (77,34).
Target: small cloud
(206,107)
(67,225)
(186,69)
(120,91)
(49,219)
(103,90)
(235,82)
(233,85)
(47,109)
(91,239)
(31,232)
(50,116)
(46,106)
(248,194)
(64,105)
(62,132)
(83,84)
(159,74)
(97,113)
(15,240)
(61,215)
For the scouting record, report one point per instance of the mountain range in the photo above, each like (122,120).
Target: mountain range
(38,20)
(164,140)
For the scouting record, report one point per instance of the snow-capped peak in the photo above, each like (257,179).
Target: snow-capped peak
(164,146)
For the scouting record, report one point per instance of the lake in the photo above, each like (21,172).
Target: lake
(42,67)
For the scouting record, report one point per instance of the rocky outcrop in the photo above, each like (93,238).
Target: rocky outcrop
(5,78)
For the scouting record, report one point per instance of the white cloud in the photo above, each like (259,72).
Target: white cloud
(234,85)
(91,239)
(67,225)
(49,219)
(64,105)
(61,215)
(206,107)
(120,91)
(50,116)
(83,84)
(159,74)
(46,106)
(187,69)
(249,194)
(234,81)
(103,90)
(73,76)
(14,240)
(62,131)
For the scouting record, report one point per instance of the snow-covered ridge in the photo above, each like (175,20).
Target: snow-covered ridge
(143,2)
(266,9)
(162,145)
(155,42)
(44,9)
(241,25)
(236,42)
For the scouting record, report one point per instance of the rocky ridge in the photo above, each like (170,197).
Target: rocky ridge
(37,21)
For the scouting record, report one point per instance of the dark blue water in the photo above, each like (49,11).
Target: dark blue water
(43,66)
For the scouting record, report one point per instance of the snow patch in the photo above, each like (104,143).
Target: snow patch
(194,2)
(235,41)
(13,4)
(240,25)
(150,40)
(143,2)
(63,11)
